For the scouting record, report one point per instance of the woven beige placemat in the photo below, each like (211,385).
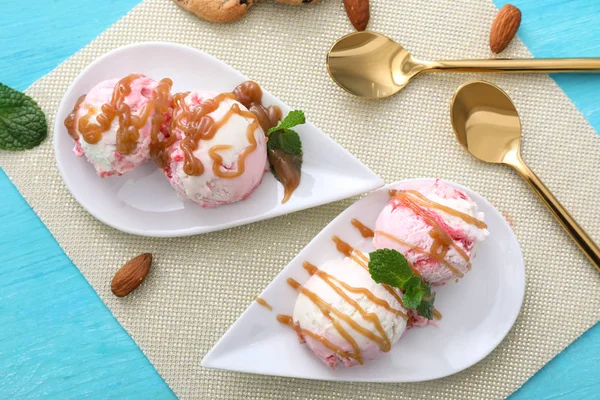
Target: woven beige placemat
(199,286)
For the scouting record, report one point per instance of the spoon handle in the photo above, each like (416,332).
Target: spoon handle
(543,65)
(585,243)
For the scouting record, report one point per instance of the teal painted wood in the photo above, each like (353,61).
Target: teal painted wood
(565,28)
(58,340)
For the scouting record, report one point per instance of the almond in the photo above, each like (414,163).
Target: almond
(131,275)
(358,12)
(504,28)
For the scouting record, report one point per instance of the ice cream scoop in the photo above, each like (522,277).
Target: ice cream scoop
(116,122)
(435,226)
(220,154)
(344,316)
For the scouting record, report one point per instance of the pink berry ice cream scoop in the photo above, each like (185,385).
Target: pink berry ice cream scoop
(220,154)
(116,124)
(435,226)
(343,316)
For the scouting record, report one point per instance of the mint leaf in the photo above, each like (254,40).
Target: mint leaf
(412,297)
(426,289)
(413,292)
(414,282)
(389,267)
(285,152)
(426,308)
(287,140)
(22,122)
(293,118)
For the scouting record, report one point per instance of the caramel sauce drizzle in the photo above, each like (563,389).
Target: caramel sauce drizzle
(71,120)
(250,94)
(312,269)
(442,242)
(198,125)
(342,246)
(364,230)
(441,239)
(425,202)
(327,310)
(194,122)
(216,157)
(383,341)
(362,256)
(361,259)
(422,251)
(91,126)
(336,285)
(263,303)
(158,145)
(301,332)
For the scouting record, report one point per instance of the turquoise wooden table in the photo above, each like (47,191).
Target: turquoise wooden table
(59,341)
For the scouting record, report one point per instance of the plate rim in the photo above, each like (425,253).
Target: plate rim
(377,180)
(205,363)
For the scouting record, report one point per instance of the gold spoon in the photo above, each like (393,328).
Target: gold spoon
(487,125)
(368,64)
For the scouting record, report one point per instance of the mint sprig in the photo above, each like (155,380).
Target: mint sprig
(426,307)
(283,137)
(285,150)
(391,267)
(22,122)
(293,118)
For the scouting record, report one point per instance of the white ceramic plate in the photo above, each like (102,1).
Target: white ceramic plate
(142,202)
(478,311)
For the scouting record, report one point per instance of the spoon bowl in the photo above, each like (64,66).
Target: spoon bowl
(487,125)
(486,122)
(371,65)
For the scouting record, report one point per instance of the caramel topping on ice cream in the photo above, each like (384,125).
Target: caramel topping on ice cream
(71,120)
(442,242)
(362,260)
(93,124)
(327,311)
(301,332)
(161,102)
(313,270)
(250,95)
(198,125)
(435,256)
(420,199)
(341,321)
